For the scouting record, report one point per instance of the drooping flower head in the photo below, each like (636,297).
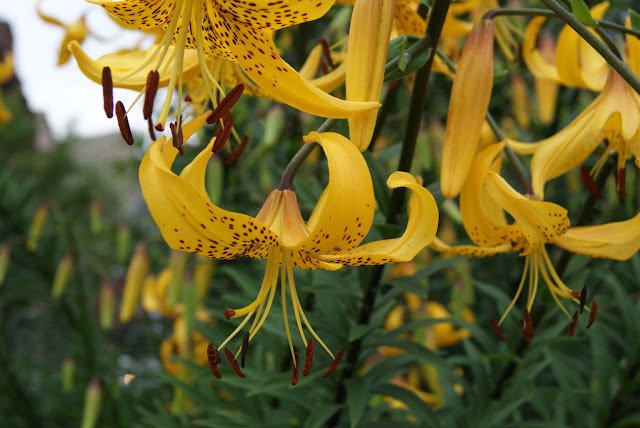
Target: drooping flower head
(77,31)
(188,221)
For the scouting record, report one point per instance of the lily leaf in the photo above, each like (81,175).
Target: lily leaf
(407,63)
(581,12)
(635,20)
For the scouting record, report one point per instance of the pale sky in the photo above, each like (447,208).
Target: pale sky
(69,100)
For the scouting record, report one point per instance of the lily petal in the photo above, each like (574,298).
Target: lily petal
(469,250)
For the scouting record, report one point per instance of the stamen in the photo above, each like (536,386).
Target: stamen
(187,98)
(308,357)
(324,68)
(225,104)
(529,322)
(327,52)
(594,313)
(152,133)
(621,182)
(583,297)
(335,362)
(233,362)
(237,152)
(223,131)
(244,349)
(295,372)
(574,324)
(176,134)
(159,127)
(107,91)
(123,123)
(213,357)
(575,294)
(228,313)
(497,329)
(153,79)
(523,329)
(219,144)
(591,185)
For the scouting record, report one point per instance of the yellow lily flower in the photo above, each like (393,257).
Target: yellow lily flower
(613,116)
(6,73)
(188,221)
(536,224)
(77,31)
(546,89)
(239,32)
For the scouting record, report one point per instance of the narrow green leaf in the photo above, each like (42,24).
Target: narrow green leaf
(357,398)
(407,63)
(635,20)
(320,415)
(581,12)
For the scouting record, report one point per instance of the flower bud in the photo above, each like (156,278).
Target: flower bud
(123,241)
(273,125)
(520,101)
(202,273)
(37,225)
(468,107)
(177,265)
(92,404)
(66,373)
(136,274)
(62,277)
(107,305)
(4,261)
(369,34)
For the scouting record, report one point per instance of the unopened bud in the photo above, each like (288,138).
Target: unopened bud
(215,179)
(92,404)
(273,124)
(37,225)
(62,277)
(177,265)
(136,274)
(95,217)
(4,261)
(123,242)
(107,306)
(67,373)
(202,273)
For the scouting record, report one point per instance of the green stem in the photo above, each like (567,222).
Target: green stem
(615,62)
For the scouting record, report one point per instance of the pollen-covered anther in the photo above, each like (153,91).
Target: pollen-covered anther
(237,152)
(308,357)
(591,185)
(335,362)
(575,294)
(228,313)
(244,349)
(176,134)
(225,104)
(295,370)
(621,183)
(213,358)
(223,132)
(528,322)
(327,52)
(233,362)
(123,123)
(574,324)
(593,314)
(151,88)
(583,297)
(497,330)
(107,91)
(187,98)
(523,330)
(159,127)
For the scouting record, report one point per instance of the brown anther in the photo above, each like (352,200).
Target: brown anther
(244,349)
(575,294)
(213,358)
(237,152)
(335,362)
(295,372)
(223,132)
(225,104)
(621,183)
(123,123)
(528,322)
(152,132)
(107,91)
(523,329)
(497,329)
(574,324)
(308,357)
(327,52)
(187,98)
(593,314)
(219,143)
(591,185)
(233,362)
(153,78)
(583,297)
(228,313)
(324,68)
(159,127)
(176,136)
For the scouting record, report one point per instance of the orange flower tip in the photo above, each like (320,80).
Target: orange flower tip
(295,373)
(591,185)
(327,52)
(325,69)
(228,313)
(107,91)
(225,104)
(621,183)
(497,330)
(525,333)
(159,127)
(123,123)
(583,297)
(233,362)
(308,357)
(528,322)
(593,314)
(335,362)
(176,135)
(153,78)
(244,349)
(574,324)
(187,98)
(213,358)
(152,132)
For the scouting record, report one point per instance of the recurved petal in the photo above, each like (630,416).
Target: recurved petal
(469,250)
(420,231)
(139,14)
(540,222)
(617,98)
(273,15)
(534,58)
(343,215)
(124,62)
(186,218)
